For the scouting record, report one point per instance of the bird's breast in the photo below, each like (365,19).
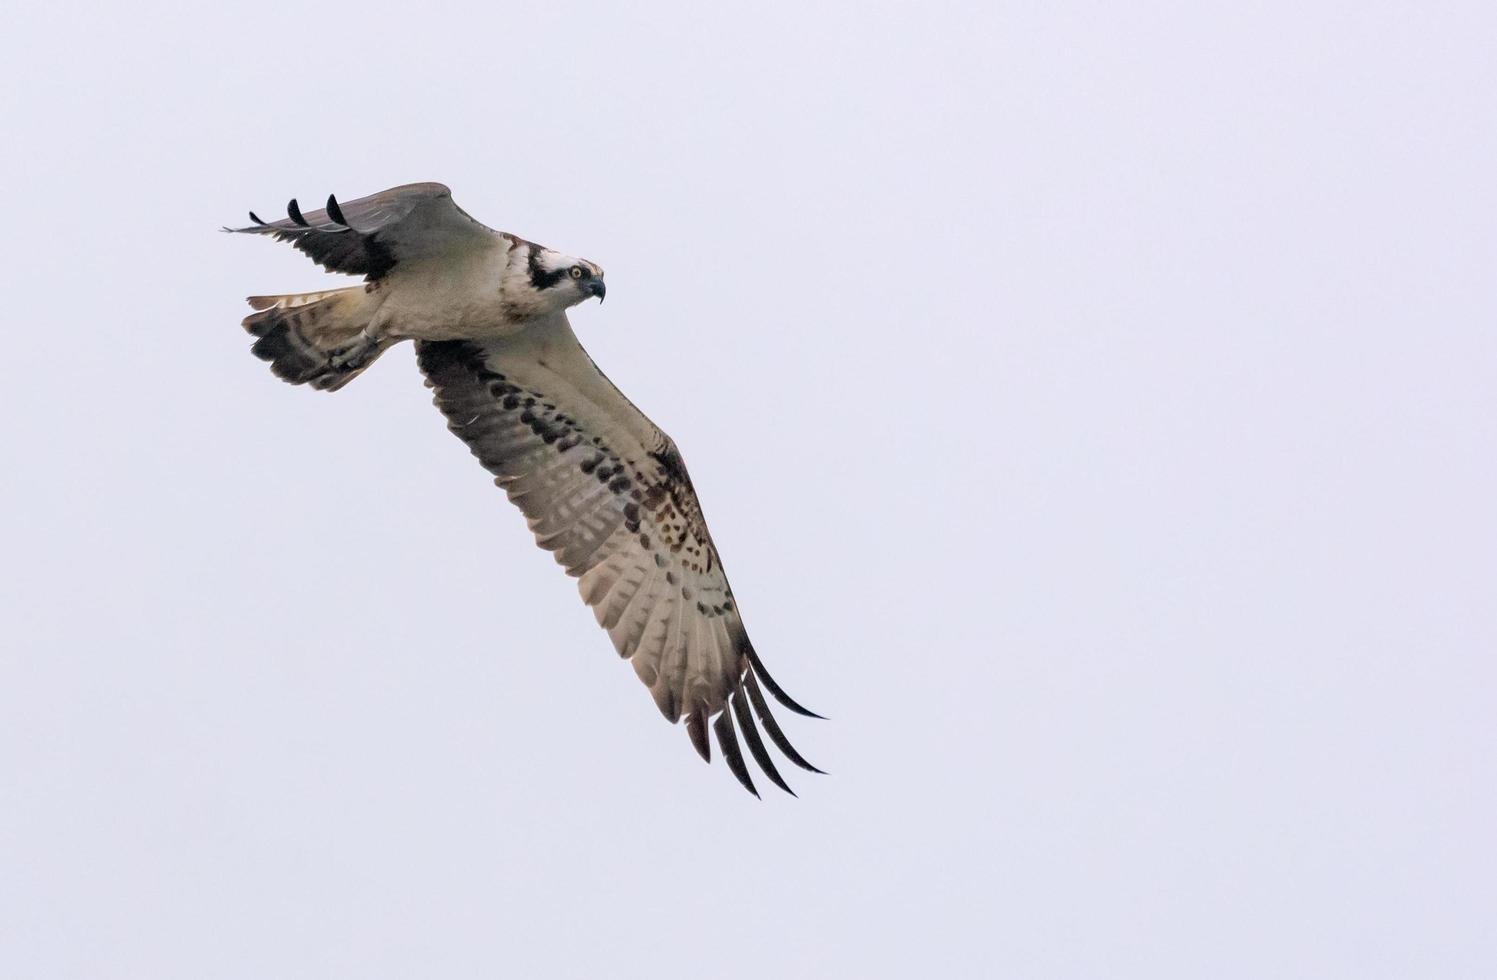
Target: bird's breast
(449,301)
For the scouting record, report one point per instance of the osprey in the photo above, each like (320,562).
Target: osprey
(600,485)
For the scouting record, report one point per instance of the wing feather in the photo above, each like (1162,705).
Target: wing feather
(755,743)
(696,729)
(607,492)
(370,236)
(772,727)
(727,740)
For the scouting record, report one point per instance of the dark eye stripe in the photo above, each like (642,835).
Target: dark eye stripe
(540,278)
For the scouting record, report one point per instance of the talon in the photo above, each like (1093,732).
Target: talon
(351,357)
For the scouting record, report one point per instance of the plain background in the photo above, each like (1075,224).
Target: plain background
(1094,407)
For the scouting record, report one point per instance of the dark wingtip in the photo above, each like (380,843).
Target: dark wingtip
(335,212)
(256,219)
(772,727)
(696,728)
(732,755)
(665,700)
(755,743)
(294,210)
(776,690)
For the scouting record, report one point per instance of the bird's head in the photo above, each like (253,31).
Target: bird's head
(560,281)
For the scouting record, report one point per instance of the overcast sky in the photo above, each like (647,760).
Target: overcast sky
(1095,411)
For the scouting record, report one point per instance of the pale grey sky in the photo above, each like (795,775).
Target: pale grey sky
(1095,409)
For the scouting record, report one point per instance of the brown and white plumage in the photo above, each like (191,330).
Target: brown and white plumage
(600,485)
(372,235)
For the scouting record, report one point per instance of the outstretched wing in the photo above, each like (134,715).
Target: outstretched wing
(372,235)
(607,492)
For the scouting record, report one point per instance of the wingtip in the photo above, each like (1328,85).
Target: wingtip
(293,210)
(727,741)
(665,700)
(772,727)
(696,730)
(777,691)
(755,743)
(335,212)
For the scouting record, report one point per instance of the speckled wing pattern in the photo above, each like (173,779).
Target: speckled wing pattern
(607,492)
(370,236)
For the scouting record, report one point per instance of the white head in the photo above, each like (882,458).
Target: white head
(542,281)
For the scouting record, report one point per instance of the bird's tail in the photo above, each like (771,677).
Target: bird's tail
(315,338)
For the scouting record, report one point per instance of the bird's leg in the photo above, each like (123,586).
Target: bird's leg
(364,348)
(355,355)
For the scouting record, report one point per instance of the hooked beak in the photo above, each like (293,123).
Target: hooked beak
(596,288)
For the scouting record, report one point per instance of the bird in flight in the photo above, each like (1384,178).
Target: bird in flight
(601,486)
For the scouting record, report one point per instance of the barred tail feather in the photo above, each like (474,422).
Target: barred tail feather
(298,333)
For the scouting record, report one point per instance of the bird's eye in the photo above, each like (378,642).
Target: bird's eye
(576,272)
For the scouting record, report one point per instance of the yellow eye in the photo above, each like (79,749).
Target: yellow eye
(576,272)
